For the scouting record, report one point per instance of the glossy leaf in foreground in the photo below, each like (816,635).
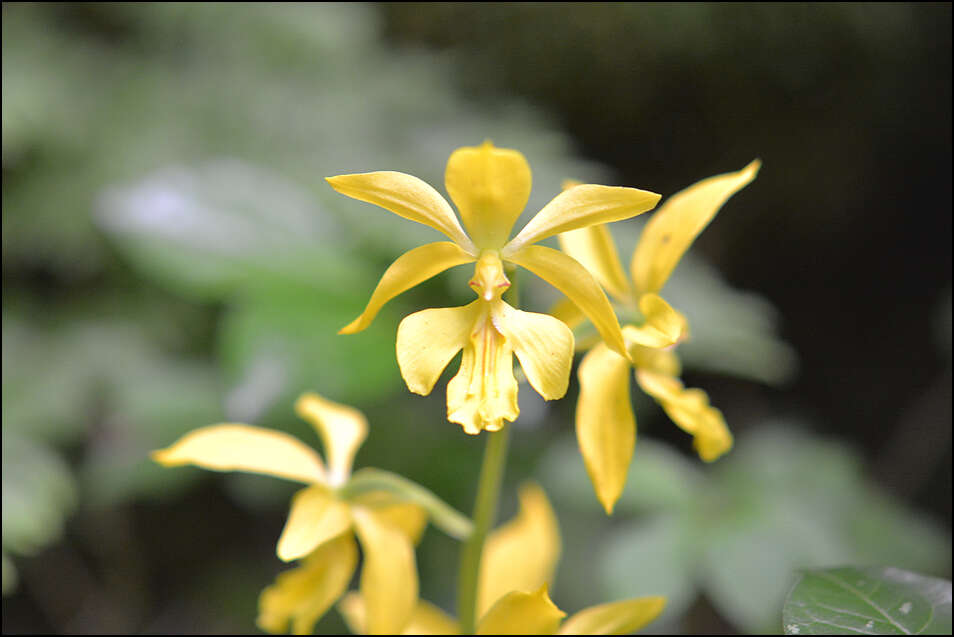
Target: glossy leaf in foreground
(867,601)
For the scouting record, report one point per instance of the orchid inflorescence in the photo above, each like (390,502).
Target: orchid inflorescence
(338,511)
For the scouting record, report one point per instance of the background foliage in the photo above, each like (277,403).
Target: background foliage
(172,257)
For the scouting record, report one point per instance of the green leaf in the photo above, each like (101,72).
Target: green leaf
(867,601)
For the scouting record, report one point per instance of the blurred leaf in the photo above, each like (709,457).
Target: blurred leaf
(659,478)
(154,404)
(749,563)
(782,512)
(867,601)
(656,556)
(226,228)
(45,387)
(10,577)
(38,494)
(783,500)
(279,344)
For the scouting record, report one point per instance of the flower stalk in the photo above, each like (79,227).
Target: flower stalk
(485,510)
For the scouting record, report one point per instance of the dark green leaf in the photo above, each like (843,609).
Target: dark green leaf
(867,601)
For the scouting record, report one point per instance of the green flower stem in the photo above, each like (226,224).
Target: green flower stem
(485,510)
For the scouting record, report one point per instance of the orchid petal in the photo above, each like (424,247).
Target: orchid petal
(571,278)
(342,430)
(521,554)
(315,517)
(519,613)
(691,411)
(389,575)
(231,447)
(605,424)
(302,595)
(543,344)
(579,207)
(567,311)
(678,222)
(661,361)
(593,247)
(407,516)
(411,268)
(405,196)
(664,326)
(615,618)
(483,393)
(429,339)
(490,187)
(427,619)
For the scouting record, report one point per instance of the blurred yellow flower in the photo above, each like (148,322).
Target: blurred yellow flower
(518,565)
(491,187)
(605,425)
(322,524)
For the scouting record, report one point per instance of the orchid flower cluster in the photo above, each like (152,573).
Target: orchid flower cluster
(505,574)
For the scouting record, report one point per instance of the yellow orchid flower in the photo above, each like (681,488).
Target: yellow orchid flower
(490,186)
(605,425)
(322,523)
(519,562)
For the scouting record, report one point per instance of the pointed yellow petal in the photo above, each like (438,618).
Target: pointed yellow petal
(519,613)
(712,437)
(429,339)
(580,207)
(691,411)
(661,361)
(342,430)
(490,186)
(571,278)
(614,618)
(407,516)
(245,448)
(427,619)
(411,268)
(353,611)
(567,311)
(678,222)
(389,574)
(543,344)
(593,247)
(605,425)
(406,196)
(523,553)
(303,594)
(664,326)
(315,517)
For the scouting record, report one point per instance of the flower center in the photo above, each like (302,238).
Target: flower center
(489,280)
(484,392)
